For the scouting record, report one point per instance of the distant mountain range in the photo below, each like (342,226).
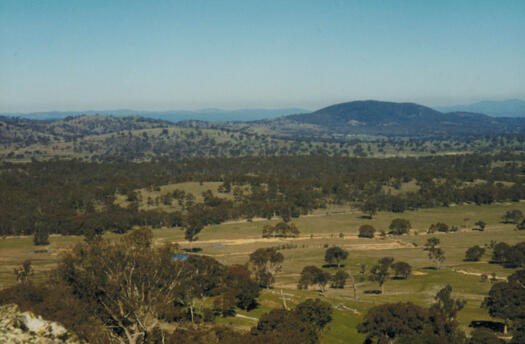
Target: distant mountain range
(506,108)
(335,129)
(340,121)
(211,115)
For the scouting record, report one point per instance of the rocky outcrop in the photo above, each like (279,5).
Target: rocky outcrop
(18,327)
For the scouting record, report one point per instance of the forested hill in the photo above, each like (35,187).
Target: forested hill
(364,128)
(403,119)
(77,126)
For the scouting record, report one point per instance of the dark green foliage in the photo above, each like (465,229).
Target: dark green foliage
(509,256)
(512,216)
(393,320)
(61,195)
(312,275)
(410,324)
(438,227)
(302,325)
(224,304)
(435,253)
(280,230)
(334,255)
(193,227)
(266,262)
(282,326)
(498,252)
(202,335)
(399,226)
(474,253)
(380,272)
(41,237)
(339,279)
(245,289)
(518,332)
(369,207)
(401,270)
(366,231)
(506,300)
(397,119)
(315,312)
(480,226)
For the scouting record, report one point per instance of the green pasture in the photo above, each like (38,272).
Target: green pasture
(231,243)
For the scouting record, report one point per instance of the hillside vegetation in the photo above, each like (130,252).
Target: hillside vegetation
(329,131)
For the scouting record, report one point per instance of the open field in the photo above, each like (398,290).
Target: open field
(231,243)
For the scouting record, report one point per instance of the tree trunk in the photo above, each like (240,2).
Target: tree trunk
(284,300)
(354,286)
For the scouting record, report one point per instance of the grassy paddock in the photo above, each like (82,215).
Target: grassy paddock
(231,243)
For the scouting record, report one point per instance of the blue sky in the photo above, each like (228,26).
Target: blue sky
(159,55)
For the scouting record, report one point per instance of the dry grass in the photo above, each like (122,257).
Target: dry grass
(238,240)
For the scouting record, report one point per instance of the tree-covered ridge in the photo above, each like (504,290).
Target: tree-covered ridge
(368,128)
(372,117)
(72,197)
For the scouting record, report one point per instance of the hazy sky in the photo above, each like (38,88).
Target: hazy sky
(158,55)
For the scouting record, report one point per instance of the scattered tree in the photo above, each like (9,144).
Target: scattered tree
(442,318)
(312,275)
(335,255)
(401,270)
(192,228)
(379,272)
(399,226)
(474,253)
(499,251)
(266,263)
(41,237)
(369,207)
(366,231)
(512,216)
(435,253)
(339,279)
(280,230)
